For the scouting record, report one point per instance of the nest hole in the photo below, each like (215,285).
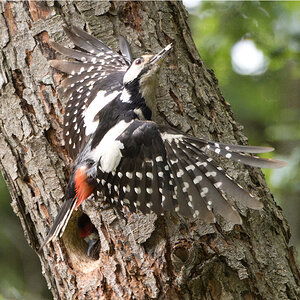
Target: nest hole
(182,253)
(81,239)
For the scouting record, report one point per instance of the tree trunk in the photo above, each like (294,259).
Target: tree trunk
(147,256)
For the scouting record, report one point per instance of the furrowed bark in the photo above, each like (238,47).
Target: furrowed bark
(147,257)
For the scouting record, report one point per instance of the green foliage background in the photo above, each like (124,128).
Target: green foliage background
(267,105)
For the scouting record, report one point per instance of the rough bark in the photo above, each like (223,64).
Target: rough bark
(149,256)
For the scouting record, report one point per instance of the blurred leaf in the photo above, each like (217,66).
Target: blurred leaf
(267,105)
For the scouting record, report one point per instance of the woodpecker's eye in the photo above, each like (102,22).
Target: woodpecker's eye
(138,61)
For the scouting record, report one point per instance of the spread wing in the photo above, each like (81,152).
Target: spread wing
(142,179)
(163,170)
(95,78)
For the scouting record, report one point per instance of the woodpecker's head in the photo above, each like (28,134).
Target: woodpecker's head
(142,76)
(145,67)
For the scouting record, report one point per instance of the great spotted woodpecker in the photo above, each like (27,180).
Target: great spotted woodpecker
(123,156)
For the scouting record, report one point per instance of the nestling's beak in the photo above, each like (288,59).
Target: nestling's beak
(158,58)
(91,244)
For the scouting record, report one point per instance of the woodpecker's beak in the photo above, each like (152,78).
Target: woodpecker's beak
(158,58)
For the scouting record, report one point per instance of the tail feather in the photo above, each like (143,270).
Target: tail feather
(61,221)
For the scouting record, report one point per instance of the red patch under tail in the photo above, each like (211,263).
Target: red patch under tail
(82,187)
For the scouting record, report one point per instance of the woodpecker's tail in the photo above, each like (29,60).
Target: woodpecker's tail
(60,221)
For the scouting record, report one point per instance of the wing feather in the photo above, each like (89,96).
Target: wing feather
(95,70)
(207,186)
(172,172)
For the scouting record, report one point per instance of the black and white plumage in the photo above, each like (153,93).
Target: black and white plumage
(160,169)
(95,79)
(123,156)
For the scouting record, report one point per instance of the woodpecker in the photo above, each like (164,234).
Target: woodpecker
(123,156)
(88,232)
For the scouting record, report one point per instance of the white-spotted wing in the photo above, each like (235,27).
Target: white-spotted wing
(161,169)
(95,78)
(142,180)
